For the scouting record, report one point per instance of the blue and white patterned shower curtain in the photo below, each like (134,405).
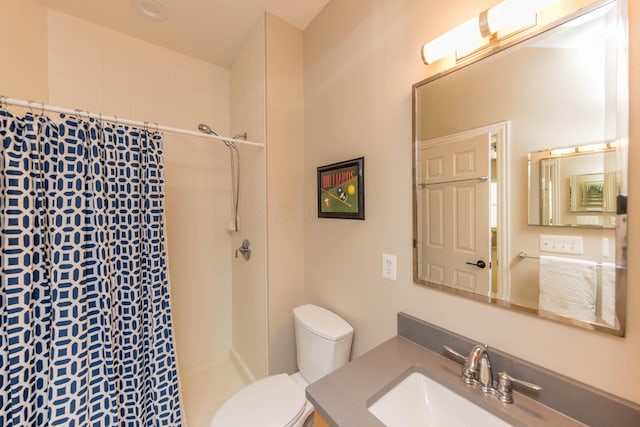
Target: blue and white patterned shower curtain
(85,323)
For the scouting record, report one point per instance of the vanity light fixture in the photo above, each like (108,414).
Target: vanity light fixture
(592,147)
(514,15)
(556,152)
(462,40)
(587,148)
(496,23)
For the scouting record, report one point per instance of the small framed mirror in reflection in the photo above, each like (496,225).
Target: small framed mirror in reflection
(573,186)
(520,170)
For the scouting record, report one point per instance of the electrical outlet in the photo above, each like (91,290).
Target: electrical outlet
(389,267)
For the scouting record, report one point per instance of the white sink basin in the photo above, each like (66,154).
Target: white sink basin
(418,401)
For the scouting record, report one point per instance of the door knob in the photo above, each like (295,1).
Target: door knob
(479,264)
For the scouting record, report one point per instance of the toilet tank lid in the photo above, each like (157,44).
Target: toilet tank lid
(322,322)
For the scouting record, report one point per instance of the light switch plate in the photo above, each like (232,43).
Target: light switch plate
(605,247)
(562,244)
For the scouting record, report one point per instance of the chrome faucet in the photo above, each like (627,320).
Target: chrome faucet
(476,371)
(478,358)
(479,365)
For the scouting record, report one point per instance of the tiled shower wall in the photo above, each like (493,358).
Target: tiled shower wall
(100,70)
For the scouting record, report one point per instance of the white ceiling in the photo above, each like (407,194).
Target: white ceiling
(212,30)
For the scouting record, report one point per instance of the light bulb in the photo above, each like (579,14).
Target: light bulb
(592,147)
(461,40)
(562,151)
(512,15)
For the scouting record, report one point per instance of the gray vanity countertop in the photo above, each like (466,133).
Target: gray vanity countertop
(343,396)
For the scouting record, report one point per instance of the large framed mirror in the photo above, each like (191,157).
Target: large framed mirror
(520,171)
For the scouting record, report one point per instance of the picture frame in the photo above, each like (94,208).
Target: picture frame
(341,190)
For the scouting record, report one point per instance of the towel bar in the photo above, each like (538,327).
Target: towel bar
(523,255)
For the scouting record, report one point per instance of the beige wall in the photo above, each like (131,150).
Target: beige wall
(249,285)
(100,70)
(266,101)
(23,73)
(285,167)
(361,58)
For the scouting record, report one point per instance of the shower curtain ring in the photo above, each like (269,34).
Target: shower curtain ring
(3,102)
(30,103)
(157,127)
(41,109)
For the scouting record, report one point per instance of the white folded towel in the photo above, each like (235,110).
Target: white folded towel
(608,293)
(568,287)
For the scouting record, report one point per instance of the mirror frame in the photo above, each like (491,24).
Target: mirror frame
(622,130)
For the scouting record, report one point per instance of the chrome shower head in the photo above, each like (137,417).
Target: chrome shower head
(207,129)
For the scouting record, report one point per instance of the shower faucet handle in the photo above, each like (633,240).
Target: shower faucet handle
(245,250)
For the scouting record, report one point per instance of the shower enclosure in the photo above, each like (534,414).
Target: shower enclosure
(218,302)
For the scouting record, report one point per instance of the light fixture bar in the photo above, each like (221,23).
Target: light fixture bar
(562,151)
(462,39)
(497,22)
(586,148)
(592,147)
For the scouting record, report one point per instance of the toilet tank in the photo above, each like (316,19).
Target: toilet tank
(323,341)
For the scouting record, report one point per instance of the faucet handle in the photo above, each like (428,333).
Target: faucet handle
(467,376)
(245,250)
(505,386)
(455,353)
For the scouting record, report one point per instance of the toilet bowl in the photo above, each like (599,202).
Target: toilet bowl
(323,344)
(276,401)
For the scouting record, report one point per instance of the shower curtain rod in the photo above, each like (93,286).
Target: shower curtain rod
(117,120)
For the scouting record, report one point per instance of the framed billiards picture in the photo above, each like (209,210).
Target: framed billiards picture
(341,190)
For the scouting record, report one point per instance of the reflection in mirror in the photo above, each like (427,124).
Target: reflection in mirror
(572,187)
(530,133)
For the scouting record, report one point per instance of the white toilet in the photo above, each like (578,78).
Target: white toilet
(323,344)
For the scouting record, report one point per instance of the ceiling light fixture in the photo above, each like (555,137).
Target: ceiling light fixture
(496,23)
(151,9)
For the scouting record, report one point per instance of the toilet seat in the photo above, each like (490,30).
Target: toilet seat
(272,401)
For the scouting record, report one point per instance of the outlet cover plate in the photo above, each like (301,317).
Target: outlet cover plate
(389,267)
